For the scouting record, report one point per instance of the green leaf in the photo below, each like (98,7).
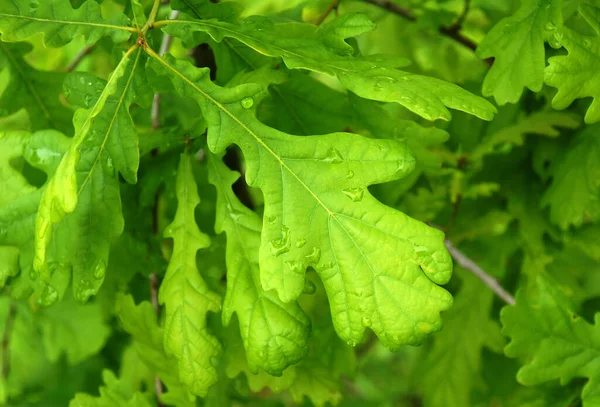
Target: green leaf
(555,342)
(274,332)
(59,22)
(140,322)
(184,293)
(77,330)
(19,204)
(82,198)
(114,393)
(380,267)
(453,365)
(36,91)
(517,45)
(575,74)
(540,123)
(324,50)
(574,194)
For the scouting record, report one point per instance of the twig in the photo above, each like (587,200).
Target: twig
(154,284)
(332,6)
(79,57)
(470,265)
(6,340)
(463,16)
(167,40)
(451,32)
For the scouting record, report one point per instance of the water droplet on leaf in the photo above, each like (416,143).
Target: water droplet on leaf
(314,256)
(100,270)
(271,219)
(366,321)
(296,266)
(48,296)
(300,242)
(549,26)
(280,246)
(350,174)
(333,156)
(88,100)
(355,194)
(247,102)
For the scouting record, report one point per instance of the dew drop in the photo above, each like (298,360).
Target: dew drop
(350,174)
(296,266)
(314,256)
(100,270)
(355,194)
(378,87)
(33,274)
(67,92)
(282,245)
(351,343)
(587,43)
(366,321)
(300,242)
(82,80)
(88,100)
(333,156)
(549,26)
(48,296)
(406,79)
(33,5)
(271,220)
(247,102)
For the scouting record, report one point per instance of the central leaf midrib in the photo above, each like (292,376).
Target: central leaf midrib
(46,20)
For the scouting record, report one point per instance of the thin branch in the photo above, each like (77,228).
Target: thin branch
(332,6)
(450,32)
(154,284)
(152,15)
(463,16)
(8,324)
(79,57)
(167,40)
(470,265)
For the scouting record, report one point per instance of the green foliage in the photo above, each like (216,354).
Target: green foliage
(258,203)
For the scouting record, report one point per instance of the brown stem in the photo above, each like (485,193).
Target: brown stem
(165,44)
(332,6)
(6,340)
(452,32)
(79,57)
(468,264)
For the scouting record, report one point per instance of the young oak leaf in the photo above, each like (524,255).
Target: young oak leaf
(324,50)
(274,333)
(115,392)
(517,45)
(59,22)
(140,322)
(574,193)
(36,91)
(18,206)
(380,267)
(575,75)
(555,343)
(83,198)
(184,293)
